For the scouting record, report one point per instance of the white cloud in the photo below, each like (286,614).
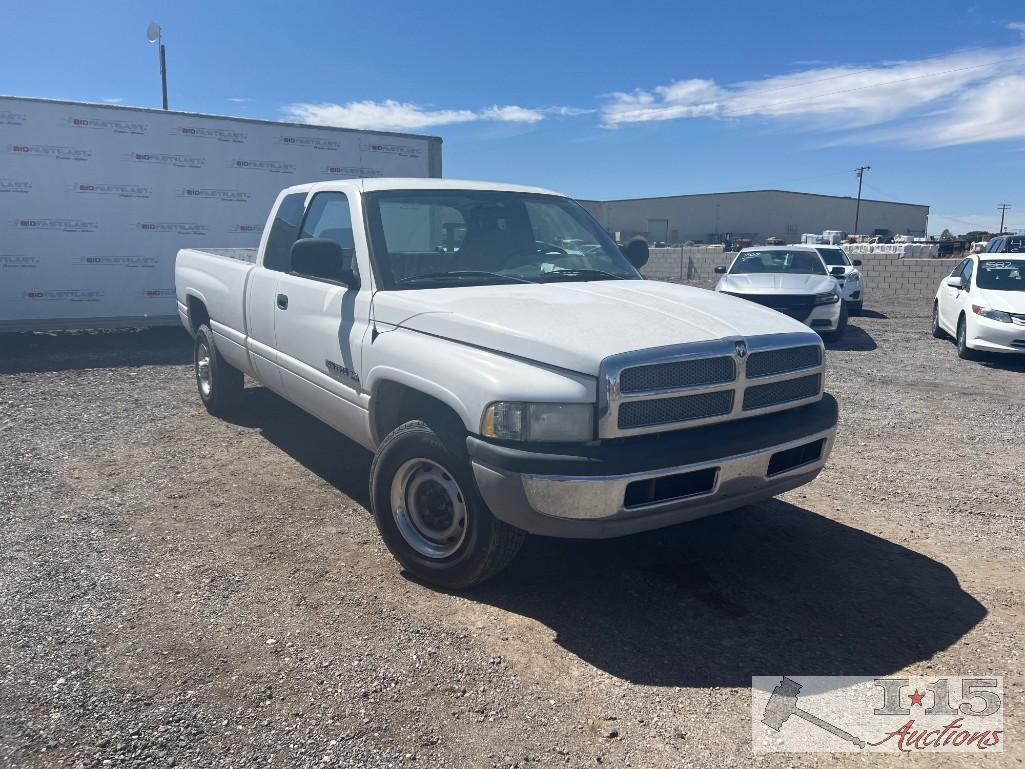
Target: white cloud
(963,97)
(511,114)
(1016,26)
(115,100)
(404,116)
(239,99)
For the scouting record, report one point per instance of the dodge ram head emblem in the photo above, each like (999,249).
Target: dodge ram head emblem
(740,349)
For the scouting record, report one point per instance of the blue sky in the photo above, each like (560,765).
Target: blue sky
(596,99)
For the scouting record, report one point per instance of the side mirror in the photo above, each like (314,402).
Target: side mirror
(856,262)
(636,252)
(837,271)
(322,258)
(720,270)
(955,282)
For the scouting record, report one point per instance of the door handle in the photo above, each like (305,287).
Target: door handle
(282,301)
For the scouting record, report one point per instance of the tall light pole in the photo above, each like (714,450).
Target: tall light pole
(155,35)
(1003,210)
(860,171)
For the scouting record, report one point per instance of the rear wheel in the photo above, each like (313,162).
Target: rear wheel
(430,514)
(220,385)
(963,350)
(937,329)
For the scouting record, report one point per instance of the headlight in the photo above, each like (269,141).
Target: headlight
(1003,317)
(854,277)
(549,422)
(828,298)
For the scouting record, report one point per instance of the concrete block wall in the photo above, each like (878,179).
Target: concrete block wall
(886,275)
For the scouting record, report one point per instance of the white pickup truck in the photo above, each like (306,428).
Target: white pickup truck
(507,365)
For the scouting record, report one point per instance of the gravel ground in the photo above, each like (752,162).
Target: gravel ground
(182,591)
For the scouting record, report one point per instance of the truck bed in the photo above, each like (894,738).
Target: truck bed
(241,254)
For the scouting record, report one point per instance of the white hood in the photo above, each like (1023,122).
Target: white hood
(776,283)
(576,325)
(1007,301)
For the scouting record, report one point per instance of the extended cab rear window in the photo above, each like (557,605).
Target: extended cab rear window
(283,233)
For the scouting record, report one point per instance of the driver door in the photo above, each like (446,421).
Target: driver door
(320,327)
(948,299)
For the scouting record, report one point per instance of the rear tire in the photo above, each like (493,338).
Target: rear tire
(937,329)
(430,514)
(220,385)
(964,352)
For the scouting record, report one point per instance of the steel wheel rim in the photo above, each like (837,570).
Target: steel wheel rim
(203,373)
(429,508)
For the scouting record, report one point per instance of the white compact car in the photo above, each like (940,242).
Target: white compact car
(982,304)
(852,282)
(792,280)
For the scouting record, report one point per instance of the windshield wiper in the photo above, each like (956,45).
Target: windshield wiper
(432,276)
(586,271)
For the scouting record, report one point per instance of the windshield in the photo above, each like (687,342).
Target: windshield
(778,260)
(834,257)
(435,238)
(1001,274)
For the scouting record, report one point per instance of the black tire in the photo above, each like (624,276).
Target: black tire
(855,308)
(937,329)
(221,389)
(841,326)
(964,352)
(479,549)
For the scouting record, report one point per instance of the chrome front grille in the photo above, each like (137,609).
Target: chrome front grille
(683,408)
(688,385)
(774,393)
(783,361)
(684,373)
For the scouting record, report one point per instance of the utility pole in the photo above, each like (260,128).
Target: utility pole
(860,171)
(1003,210)
(155,35)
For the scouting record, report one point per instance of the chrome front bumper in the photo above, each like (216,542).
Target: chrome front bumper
(595,506)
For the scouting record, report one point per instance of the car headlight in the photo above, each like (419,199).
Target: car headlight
(1003,317)
(830,297)
(854,277)
(547,422)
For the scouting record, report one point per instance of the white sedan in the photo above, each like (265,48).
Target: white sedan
(982,305)
(792,280)
(852,282)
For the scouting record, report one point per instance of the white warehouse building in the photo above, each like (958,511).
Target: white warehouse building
(757,214)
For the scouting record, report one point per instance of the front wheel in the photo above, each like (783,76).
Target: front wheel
(841,326)
(937,329)
(430,514)
(963,350)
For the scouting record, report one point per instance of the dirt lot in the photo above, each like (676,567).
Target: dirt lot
(178,590)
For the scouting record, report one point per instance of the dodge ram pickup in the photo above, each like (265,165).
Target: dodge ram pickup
(507,365)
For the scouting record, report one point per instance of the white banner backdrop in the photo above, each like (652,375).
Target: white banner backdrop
(96,200)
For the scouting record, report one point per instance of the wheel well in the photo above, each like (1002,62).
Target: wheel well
(198,314)
(393,404)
